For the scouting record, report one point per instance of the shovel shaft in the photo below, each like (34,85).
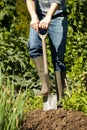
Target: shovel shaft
(45,56)
(43,38)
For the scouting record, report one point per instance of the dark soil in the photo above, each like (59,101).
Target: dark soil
(59,119)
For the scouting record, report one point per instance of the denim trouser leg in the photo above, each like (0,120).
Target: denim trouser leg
(35,44)
(57,32)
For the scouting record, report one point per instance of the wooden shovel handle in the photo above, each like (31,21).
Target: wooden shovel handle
(43,38)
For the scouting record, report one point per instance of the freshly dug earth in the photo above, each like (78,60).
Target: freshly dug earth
(59,119)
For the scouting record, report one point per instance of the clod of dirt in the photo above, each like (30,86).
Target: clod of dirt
(59,119)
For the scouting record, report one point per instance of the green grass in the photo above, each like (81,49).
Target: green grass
(13,105)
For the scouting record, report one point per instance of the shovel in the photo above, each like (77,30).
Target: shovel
(49,101)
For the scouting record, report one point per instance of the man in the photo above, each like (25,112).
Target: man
(48,15)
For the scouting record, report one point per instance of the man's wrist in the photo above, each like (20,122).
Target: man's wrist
(34,16)
(49,16)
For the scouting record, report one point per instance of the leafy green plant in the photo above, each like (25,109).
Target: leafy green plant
(76,47)
(32,101)
(11,107)
(76,100)
(13,104)
(76,56)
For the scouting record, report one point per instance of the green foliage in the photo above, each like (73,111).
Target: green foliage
(14,55)
(13,104)
(7,11)
(76,100)
(76,56)
(76,53)
(14,58)
(11,107)
(32,101)
(22,19)
(77,12)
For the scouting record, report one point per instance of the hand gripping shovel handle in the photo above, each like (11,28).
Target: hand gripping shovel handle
(43,38)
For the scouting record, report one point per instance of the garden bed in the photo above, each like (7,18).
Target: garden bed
(59,119)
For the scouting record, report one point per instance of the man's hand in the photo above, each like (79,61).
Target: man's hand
(35,23)
(44,23)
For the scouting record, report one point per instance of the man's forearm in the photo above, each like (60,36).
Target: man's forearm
(53,8)
(31,8)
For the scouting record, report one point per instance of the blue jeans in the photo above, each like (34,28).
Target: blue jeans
(57,33)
